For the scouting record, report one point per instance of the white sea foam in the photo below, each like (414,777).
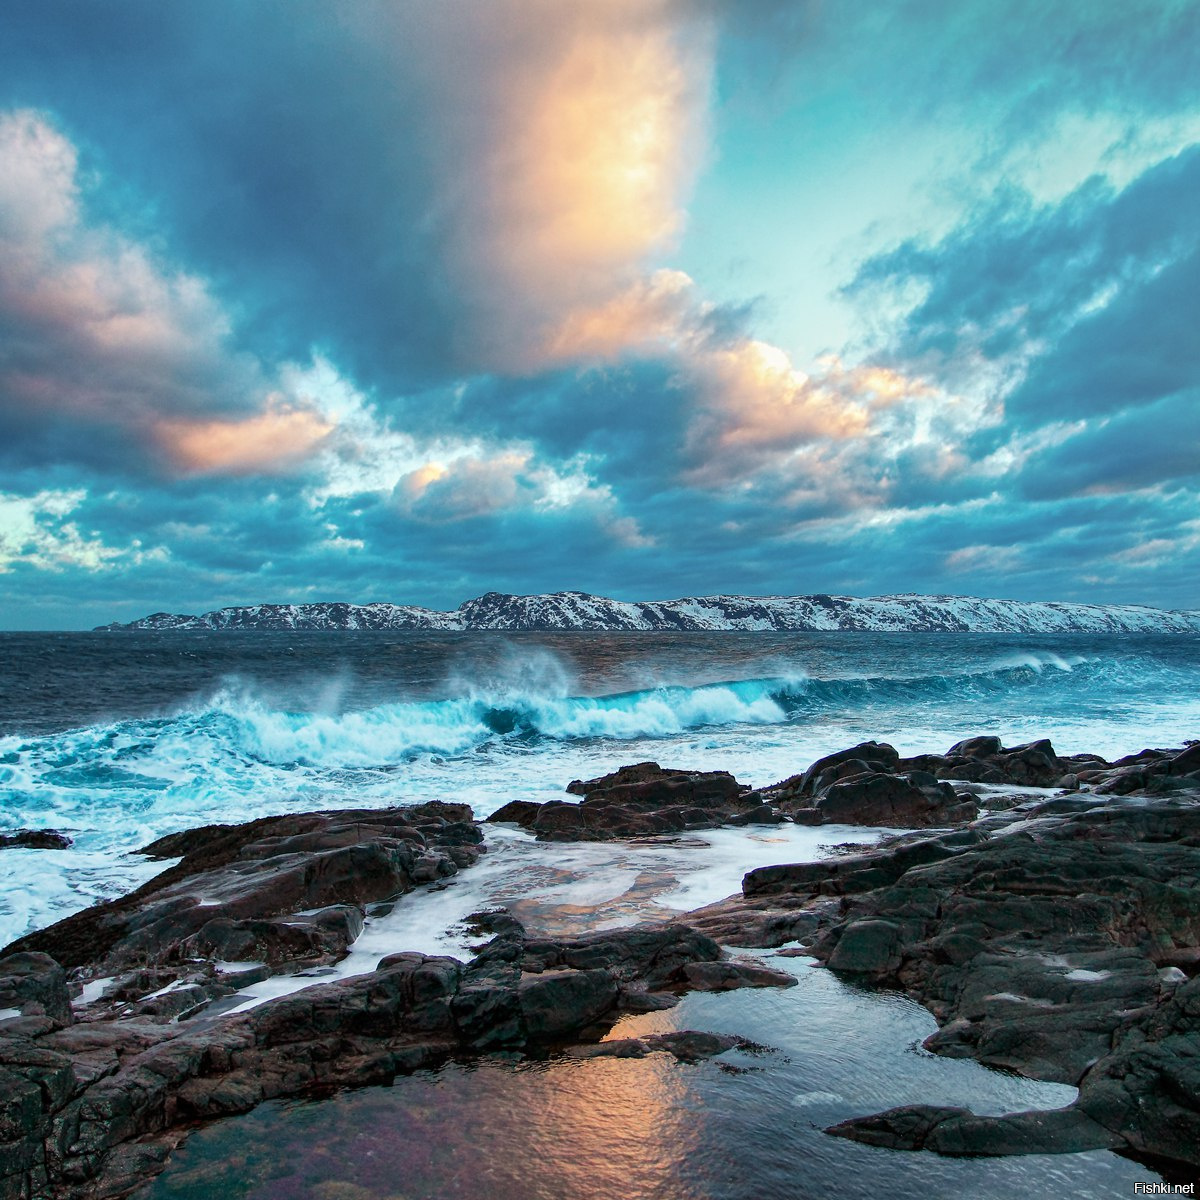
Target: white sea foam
(564,889)
(523,732)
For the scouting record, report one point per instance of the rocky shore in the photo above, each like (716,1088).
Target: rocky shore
(1045,909)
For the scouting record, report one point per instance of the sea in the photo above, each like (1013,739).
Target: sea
(117,738)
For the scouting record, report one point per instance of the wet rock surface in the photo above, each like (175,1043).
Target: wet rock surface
(1056,935)
(284,891)
(93,1101)
(1059,939)
(35,839)
(638,801)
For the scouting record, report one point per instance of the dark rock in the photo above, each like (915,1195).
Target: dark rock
(764,814)
(871,947)
(555,1004)
(976,747)
(642,800)
(958,1131)
(1053,951)
(117,1094)
(238,889)
(726,976)
(857,872)
(878,756)
(893,800)
(35,985)
(1186,762)
(906,1128)
(685,1045)
(517,812)
(35,839)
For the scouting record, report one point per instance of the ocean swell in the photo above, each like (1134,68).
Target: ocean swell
(154,753)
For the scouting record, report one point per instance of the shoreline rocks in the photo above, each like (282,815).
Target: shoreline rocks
(642,800)
(1059,940)
(92,1100)
(1055,935)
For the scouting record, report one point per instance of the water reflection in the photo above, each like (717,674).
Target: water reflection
(738,1127)
(735,1128)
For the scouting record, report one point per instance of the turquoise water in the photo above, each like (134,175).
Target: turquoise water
(120,738)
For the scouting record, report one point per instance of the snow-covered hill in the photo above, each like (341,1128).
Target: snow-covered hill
(578,610)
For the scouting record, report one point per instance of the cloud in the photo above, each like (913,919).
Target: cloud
(35,532)
(361,457)
(968,560)
(1070,327)
(541,167)
(747,404)
(563,162)
(106,354)
(418,327)
(1017,284)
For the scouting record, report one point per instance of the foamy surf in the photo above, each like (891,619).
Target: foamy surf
(530,720)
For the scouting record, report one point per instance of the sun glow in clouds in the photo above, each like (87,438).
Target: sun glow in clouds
(581,140)
(273,440)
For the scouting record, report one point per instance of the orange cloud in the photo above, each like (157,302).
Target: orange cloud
(272,441)
(581,136)
(116,339)
(653,311)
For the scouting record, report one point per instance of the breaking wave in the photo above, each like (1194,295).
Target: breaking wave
(115,786)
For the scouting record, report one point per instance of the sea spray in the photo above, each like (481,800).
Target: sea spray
(369,720)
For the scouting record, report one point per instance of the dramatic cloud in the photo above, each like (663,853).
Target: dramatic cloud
(35,532)
(563,161)
(106,354)
(1075,325)
(397,300)
(271,440)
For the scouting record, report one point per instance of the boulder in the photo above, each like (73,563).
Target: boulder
(642,800)
(36,986)
(878,756)
(555,1004)
(35,839)
(727,976)
(893,800)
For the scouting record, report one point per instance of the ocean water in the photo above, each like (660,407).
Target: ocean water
(117,739)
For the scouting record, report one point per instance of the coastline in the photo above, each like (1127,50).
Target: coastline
(291,893)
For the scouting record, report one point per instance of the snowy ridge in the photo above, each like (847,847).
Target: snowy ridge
(578,610)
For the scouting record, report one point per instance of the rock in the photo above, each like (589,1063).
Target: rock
(118,1093)
(726,976)
(764,814)
(641,800)
(976,747)
(1060,948)
(1061,940)
(869,784)
(516,812)
(958,1131)
(1186,762)
(555,1004)
(35,985)
(905,1128)
(857,872)
(871,947)
(685,1045)
(893,800)
(239,891)
(35,839)
(877,756)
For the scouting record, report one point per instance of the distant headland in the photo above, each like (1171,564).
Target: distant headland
(580,611)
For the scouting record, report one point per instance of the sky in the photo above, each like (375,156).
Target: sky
(307,300)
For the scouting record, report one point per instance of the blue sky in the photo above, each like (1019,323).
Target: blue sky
(399,301)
